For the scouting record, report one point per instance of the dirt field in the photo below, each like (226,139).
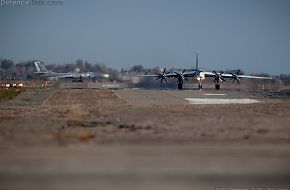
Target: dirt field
(60,117)
(74,138)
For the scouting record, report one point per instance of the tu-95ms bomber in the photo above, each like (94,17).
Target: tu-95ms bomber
(200,75)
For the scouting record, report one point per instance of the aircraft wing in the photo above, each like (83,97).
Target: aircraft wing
(173,75)
(58,76)
(53,75)
(169,75)
(207,74)
(254,77)
(94,75)
(245,76)
(228,75)
(193,73)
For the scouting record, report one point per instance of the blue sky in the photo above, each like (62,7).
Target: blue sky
(253,35)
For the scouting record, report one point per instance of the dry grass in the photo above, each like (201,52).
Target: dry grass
(9,93)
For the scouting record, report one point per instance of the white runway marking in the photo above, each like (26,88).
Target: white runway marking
(111,86)
(214,94)
(220,101)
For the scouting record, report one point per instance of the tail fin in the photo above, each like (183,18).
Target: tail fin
(196,61)
(40,68)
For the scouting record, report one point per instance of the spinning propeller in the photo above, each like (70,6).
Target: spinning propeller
(162,76)
(180,75)
(218,77)
(235,76)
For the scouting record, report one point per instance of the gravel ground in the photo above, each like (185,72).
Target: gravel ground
(40,124)
(63,116)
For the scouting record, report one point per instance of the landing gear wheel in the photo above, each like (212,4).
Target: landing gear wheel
(179,86)
(217,86)
(199,86)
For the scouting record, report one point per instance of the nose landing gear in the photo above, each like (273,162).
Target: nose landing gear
(199,86)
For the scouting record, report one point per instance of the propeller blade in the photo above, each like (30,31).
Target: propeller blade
(164,70)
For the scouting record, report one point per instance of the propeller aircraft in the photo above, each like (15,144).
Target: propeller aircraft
(200,75)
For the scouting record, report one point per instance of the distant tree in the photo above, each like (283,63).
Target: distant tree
(101,68)
(80,64)
(234,71)
(137,68)
(87,67)
(24,70)
(285,79)
(7,64)
(114,75)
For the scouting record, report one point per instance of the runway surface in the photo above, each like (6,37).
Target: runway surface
(141,97)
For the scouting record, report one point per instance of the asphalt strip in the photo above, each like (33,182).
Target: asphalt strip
(220,101)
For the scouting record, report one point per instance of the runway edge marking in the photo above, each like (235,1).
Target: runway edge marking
(221,101)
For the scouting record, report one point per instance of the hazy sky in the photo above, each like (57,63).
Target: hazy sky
(253,35)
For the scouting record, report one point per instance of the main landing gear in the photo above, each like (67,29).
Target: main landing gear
(179,82)
(179,86)
(217,86)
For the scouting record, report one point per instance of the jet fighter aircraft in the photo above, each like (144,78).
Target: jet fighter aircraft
(44,73)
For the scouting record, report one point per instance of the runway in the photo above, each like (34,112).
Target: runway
(141,97)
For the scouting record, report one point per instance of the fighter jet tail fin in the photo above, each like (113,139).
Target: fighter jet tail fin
(39,67)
